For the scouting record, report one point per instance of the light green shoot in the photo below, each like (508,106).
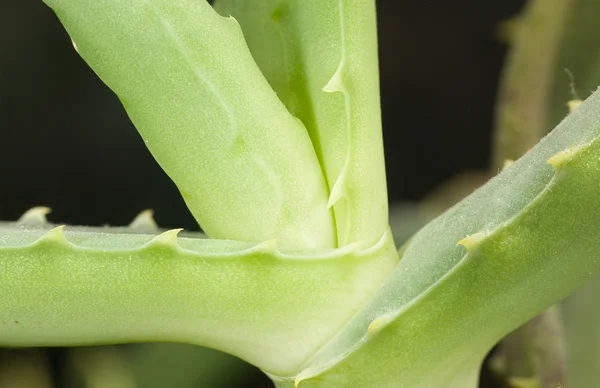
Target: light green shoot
(321,59)
(271,130)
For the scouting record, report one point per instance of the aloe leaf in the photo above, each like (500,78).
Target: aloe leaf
(320,56)
(516,246)
(245,167)
(84,286)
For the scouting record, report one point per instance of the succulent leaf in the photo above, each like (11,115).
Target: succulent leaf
(320,56)
(450,305)
(244,165)
(67,286)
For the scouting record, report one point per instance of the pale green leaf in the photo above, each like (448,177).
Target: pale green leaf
(245,167)
(320,56)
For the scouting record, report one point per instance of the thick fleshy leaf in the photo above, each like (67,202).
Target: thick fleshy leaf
(245,167)
(85,286)
(522,242)
(320,56)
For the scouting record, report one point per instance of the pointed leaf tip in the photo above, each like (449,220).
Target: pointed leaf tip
(35,216)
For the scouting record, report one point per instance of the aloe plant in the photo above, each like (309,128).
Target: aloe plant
(266,117)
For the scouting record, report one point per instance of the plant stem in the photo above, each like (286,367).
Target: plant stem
(525,91)
(101,367)
(24,369)
(534,355)
(581,318)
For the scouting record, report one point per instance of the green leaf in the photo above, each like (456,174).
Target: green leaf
(320,56)
(245,167)
(522,242)
(86,286)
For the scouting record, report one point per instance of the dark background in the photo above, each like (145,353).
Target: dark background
(67,143)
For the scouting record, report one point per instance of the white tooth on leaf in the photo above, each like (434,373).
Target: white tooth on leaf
(573,104)
(144,222)
(380,322)
(472,241)
(55,235)
(35,216)
(268,246)
(336,83)
(507,163)
(168,238)
(557,161)
(339,189)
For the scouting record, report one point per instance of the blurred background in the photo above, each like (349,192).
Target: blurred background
(67,143)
